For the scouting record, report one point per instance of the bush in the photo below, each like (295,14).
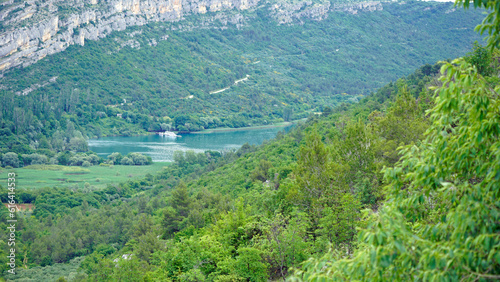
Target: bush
(127,161)
(53,161)
(78,144)
(115,158)
(138,159)
(38,159)
(10,159)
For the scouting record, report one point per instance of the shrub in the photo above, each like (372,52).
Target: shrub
(10,159)
(127,161)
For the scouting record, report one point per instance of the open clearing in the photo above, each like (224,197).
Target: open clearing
(38,176)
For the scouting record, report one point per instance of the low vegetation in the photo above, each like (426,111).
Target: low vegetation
(93,178)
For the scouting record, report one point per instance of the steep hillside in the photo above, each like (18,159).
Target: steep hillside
(415,166)
(229,69)
(32,30)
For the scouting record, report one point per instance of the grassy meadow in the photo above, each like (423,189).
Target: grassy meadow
(38,176)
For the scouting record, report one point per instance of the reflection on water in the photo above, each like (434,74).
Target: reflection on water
(162,148)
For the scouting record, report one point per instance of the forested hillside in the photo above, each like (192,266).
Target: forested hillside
(203,73)
(440,220)
(400,185)
(247,215)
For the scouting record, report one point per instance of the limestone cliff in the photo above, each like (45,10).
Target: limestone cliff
(33,29)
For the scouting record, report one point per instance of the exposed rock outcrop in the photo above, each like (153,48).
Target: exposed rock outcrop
(354,8)
(287,12)
(33,29)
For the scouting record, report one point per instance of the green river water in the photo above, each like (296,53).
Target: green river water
(161,148)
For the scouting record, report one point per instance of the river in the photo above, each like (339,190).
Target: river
(161,149)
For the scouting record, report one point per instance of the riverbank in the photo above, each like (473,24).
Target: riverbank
(229,129)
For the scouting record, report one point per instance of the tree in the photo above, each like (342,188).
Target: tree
(491,23)
(44,143)
(180,206)
(179,158)
(181,120)
(180,200)
(480,57)
(285,242)
(126,161)
(63,158)
(249,264)
(261,172)
(38,159)
(337,226)
(146,245)
(327,111)
(115,157)
(355,149)
(171,222)
(78,144)
(10,159)
(193,275)
(190,157)
(319,180)
(138,159)
(287,114)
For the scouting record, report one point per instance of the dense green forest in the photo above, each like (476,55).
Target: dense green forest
(166,76)
(402,185)
(247,215)
(440,221)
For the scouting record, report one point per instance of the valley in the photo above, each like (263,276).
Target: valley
(304,66)
(318,140)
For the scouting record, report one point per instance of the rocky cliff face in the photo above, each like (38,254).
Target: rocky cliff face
(33,29)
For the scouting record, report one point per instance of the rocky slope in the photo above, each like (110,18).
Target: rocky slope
(31,30)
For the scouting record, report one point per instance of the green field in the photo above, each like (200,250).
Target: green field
(38,176)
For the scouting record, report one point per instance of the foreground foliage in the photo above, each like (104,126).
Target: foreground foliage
(441,219)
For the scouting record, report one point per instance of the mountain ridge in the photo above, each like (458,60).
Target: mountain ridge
(34,29)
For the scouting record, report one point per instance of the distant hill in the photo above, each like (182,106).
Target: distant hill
(238,67)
